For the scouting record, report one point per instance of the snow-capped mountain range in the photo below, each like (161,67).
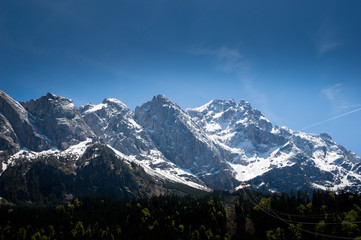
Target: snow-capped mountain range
(219,145)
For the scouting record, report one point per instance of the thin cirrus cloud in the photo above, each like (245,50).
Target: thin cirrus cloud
(326,39)
(350,106)
(227,59)
(327,46)
(332,92)
(230,60)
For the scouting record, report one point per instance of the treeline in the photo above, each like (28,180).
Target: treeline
(325,215)
(294,217)
(166,217)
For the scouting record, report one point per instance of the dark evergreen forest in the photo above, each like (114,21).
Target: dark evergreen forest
(241,215)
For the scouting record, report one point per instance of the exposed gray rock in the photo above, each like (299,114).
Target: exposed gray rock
(113,122)
(18,117)
(9,142)
(276,158)
(237,126)
(219,144)
(183,142)
(58,119)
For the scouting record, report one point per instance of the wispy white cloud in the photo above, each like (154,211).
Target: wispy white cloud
(350,106)
(333,92)
(327,46)
(228,60)
(326,39)
(231,60)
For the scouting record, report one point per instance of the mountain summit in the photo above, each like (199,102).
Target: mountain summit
(216,146)
(276,158)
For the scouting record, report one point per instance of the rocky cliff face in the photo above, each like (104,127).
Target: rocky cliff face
(113,122)
(276,158)
(28,136)
(183,141)
(218,145)
(9,142)
(59,120)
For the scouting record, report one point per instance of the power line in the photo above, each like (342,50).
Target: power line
(252,198)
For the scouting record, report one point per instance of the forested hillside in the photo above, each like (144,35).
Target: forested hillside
(328,215)
(221,215)
(168,217)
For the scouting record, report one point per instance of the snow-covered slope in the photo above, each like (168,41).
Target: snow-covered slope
(273,157)
(183,141)
(113,122)
(218,145)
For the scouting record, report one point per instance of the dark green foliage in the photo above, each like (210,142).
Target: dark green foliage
(107,176)
(280,216)
(168,217)
(46,183)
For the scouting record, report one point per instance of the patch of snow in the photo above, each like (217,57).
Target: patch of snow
(95,108)
(172,173)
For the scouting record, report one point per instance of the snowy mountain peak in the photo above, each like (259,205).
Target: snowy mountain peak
(216,106)
(223,114)
(160,105)
(51,95)
(58,119)
(163,100)
(109,106)
(160,97)
(245,103)
(218,144)
(183,141)
(221,105)
(116,103)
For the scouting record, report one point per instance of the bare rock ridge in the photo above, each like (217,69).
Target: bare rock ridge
(9,142)
(59,120)
(276,158)
(183,142)
(218,145)
(113,122)
(26,134)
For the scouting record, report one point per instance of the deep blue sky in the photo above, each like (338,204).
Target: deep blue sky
(299,62)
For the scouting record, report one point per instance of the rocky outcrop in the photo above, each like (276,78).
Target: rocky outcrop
(113,122)
(182,141)
(274,158)
(237,126)
(9,142)
(218,145)
(18,117)
(58,119)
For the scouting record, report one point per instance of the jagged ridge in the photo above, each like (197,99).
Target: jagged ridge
(218,145)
